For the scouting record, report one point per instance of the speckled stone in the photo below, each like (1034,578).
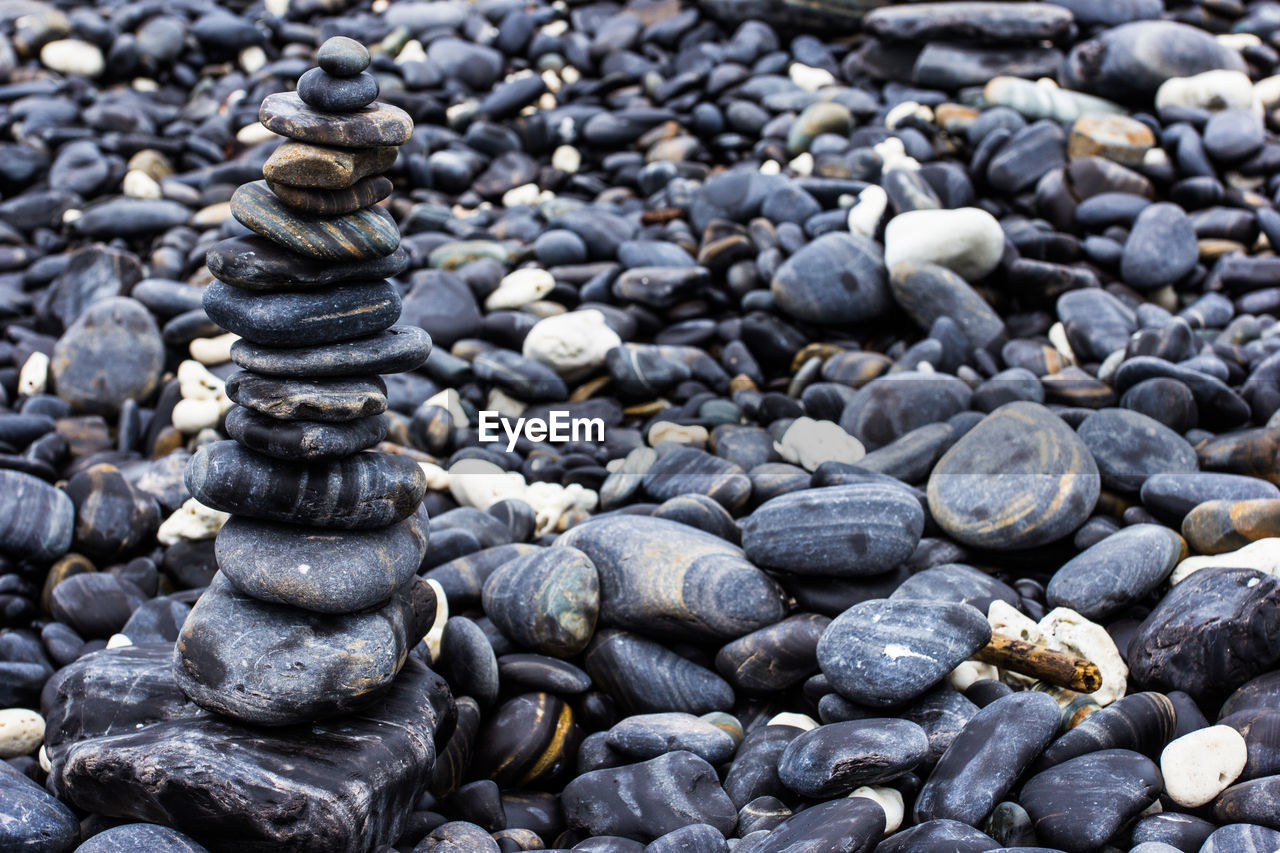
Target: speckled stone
(323,571)
(275,665)
(394,350)
(1018,479)
(342,56)
(297,164)
(140,836)
(32,818)
(327,400)
(374,126)
(363,491)
(365,234)
(304,318)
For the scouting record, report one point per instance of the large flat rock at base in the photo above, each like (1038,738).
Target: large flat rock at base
(124,742)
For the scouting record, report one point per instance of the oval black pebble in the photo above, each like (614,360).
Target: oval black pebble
(302,440)
(1081,803)
(326,400)
(838,757)
(547,601)
(395,350)
(304,317)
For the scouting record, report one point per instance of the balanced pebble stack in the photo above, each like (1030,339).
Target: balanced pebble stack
(315,606)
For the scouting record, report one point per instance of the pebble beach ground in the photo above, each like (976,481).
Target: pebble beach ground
(654,427)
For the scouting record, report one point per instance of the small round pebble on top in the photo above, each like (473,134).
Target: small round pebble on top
(343,57)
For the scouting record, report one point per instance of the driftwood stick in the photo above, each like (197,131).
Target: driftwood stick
(1049,665)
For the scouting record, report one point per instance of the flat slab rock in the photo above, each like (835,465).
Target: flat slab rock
(126,743)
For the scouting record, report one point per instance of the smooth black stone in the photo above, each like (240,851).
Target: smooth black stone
(851,825)
(95,604)
(114,713)
(672,581)
(1211,633)
(1161,248)
(131,217)
(844,531)
(1079,804)
(395,350)
(275,665)
(303,318)
(256,263)
(645,677)
(943,713)
(113,517)
(927,292)
(327,572)
(838,757)
(882,653)
(754,770)
(547,601)
(324,400)
(468,661)
(948,835)
(302,440)
(140,836)
(333,202)
(1185,832)
(773,658)
(1096,322)
(838,278)
(1171,496)
(1131,61)
(988,757)
(1261,733)
(321,90)
(441,303)
(364,235)
(157,621)
(1242,838)
(1219,405)
(968,21)
(463,578)
(363,491)
(524,378)
(112,353)
(646,800)
(1018,479)
(688,470)
(542,673)
(1232,135)
(958,583)
(342,56)
(889,407)
(1030,153)
(31,818)
(530,740)
(36,520)
(646,736)
(1118,571)
(703,513)
(377,125)
(1253,801)
(1166,401)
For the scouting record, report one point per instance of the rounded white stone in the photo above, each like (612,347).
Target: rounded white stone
(809,78)
(553,504)
(679,433)
(970,671)
(1211,90)
(116,641)
(968,241)
(808,443)
(191,416)
(213,350)
(889,799)
(21,732)
(436,633)
(1201,765)
(73,56)
(1262,555)
(790,718)
(571,343)
(193,521)
(1068,631)
(865,215)
(519,288)
(33,378)
(481,484)
(138,184)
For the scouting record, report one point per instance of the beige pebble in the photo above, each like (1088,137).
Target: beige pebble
(21,732)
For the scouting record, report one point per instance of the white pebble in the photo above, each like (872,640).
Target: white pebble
(679,433)
(1263,555)
(21,731)
(277,8)
(191,416)
(809,78)
(552,502)
(481,484)
(437,477)
(865,216)
(970,671)
(449,400)
(33,378)
(566,158)
(193,521)
(808,443)
(770,167)
(905,110)
(252,58)
(116,641)
(789,718)
(802,165)
(504,404)
(436,633)
(213,350)
(45,764)
(73,56)
(522,196)
(519,288)
(1058,337)
(255,133)
(893,155)
(1200,765)
(1267,90)
(1211,90)
(413,51)
(968,241)
(572,343)
(1071,632)
(138,184)
(889,799)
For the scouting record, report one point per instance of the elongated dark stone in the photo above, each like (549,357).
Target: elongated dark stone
(463,579)
(396,350)
(362,491)
(986,759)
(302,440)
(838,757)
(327,400)
(1256,801)
(1118,571)
(365,234)
(304,318)
(851,825)
(37,520)
(645,677)
(773,658)
(547,601)
(530,740)
(1142,722)
(274,665)
(324,571)
(333,202)
(376,125)
(257,263)
(754,770)
(1079,804)
(950,835)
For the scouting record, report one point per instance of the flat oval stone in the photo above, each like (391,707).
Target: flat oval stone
(1211,633)
(374,126)
(646,736)
(1131,61)
(692,471)
(31,818)
(299,165)
(323,91)
(1081,803)
(1129,447)
(1171,496)
(539,672)
(321,202)
(849,825)
(363,235)
(257,263)
(112,353)
(36,519)
(269,664)
(1242,838)
(326,400)
(838,757)
(1216,527)
(882,653)
(928,292)
(838,278)
(1018,479)
(842,531)
(547,601)
(304,318)
(775,657)
(988,757)
(644,677)
(321,571)
(394,350)
(889,407)
(971,20)
(958,583)
(140,836)
(363,491)
(643,801)
(663,578)
(342,56)
(949,835)
(1117,572)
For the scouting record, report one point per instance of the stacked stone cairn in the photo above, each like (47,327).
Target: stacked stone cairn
(316,605)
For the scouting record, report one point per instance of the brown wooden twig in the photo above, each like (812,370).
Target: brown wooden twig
(1049,665)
